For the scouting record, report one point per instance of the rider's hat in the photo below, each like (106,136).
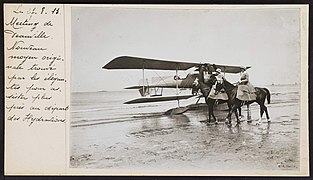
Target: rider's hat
(218,70)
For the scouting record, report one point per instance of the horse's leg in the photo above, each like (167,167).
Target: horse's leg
(229,110)
(210,106)
(208,119)
(209,110)
(209,113)
(266,113)
(229,106)
(236,114)
(212,112)
(261,114)
(228,119)
(239,110)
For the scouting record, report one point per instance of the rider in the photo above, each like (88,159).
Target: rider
(219,75)
(219,79)
(244,76)
(195,84)
(244,83)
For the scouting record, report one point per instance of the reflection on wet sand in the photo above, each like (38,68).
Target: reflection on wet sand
(180,119)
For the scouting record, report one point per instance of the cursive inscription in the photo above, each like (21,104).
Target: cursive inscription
(34,64)
(23,57)
(37,35)
(14,107)
(15,77)
(37,67)
(33,87)
(19,96)
(31,119)
(17,23)
(21,45)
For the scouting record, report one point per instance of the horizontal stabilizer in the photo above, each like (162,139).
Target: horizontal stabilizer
(158,99)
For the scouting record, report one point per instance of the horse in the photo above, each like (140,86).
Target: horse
(205,90)
(231,90)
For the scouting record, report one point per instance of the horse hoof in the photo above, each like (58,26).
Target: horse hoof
(268,120)
(216,122)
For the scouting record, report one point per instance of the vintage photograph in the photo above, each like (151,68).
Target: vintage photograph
(185,88)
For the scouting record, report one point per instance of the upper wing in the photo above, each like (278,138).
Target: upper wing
(127,62)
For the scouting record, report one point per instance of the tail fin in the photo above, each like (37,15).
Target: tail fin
(268,95)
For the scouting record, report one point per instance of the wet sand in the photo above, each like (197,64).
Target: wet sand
(182,142)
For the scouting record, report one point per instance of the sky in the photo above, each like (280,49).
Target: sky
(266,39)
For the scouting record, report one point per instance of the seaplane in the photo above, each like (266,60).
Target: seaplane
(153,92)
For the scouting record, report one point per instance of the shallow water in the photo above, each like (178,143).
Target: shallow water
(105,133)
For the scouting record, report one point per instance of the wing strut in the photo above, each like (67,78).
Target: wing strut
(177,84)
(143,78)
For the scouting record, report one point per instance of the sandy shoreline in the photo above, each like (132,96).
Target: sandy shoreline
(183,143)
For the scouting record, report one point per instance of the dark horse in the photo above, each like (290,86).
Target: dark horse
(231,90)
(205,90)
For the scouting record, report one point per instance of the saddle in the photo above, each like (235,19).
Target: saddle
(219,95)
(246,92)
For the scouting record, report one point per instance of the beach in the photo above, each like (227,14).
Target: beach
(107,134)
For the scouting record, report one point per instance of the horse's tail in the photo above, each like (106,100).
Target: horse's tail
(268,95)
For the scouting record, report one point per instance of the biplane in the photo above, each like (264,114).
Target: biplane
(153,92)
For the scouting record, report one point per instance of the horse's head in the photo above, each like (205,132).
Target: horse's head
(212,80)
(195,86)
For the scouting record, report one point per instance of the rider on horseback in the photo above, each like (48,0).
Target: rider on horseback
(219,79)
(244,76)
(219,76)
(246,91)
